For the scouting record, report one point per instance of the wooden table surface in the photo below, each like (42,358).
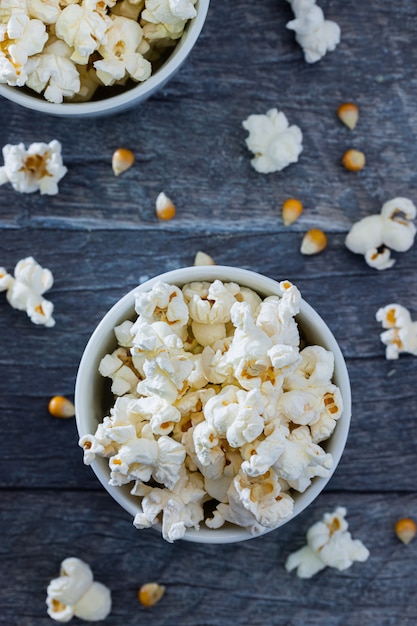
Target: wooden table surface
(99,236)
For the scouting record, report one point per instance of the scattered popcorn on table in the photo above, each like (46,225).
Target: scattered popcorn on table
(375,235)
(313,32)
(39,167)
(274,143)
(65,49)
(221,405)
(75,594)
(329,544)
(401,333)
(25,290)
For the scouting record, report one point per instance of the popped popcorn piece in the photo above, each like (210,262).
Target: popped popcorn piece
(329,544)
(274,143)
(12,7)
(256,504)
(374,235)
(39,167)
(84,28)
(313,32)
(20,39)
(118,366)
(302,459)
(25,291)
(120,52)
(235,419)
(75,593)
(181,507)
(169,12)
(54,73)
(401,335)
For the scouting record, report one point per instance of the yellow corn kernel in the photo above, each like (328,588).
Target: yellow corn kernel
(201,258)
(353,160)
(165,209)
(348,113)
(405,529)
(314,241)
(59,406)
(291,211)
(150,593)
(122,160)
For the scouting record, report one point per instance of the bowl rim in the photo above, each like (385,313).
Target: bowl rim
(267,286)
(127,99)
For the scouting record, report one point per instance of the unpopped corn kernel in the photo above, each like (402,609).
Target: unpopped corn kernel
(150,593)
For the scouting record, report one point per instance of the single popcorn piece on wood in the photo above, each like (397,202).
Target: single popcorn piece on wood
(375,235)
(20,39)
(76,594)
(25,290)
(401,334)
(274,143)
(40,167)
(313,32)
(291,211)
(329,544)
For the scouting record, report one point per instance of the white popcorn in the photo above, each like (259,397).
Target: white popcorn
(301,460)
(274,143)
(162,303)
(146,457)
(124,379)
(314,33)
(210,303)
(120,52)
(39,167)
(25,291)
(20,39)
(329,544)
(54,73)
(182,507)
(401,335)
(226,407)
(75,593)
(374,235)
(84,28)
(169,12)
(256,504)
(47,11)
(12,7)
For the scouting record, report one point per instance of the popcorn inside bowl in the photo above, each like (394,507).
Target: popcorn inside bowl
(65,50)
(220,410)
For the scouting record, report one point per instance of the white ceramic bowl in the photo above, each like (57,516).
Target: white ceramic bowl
(125,100)
(92,391)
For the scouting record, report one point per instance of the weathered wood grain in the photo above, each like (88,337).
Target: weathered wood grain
(205,585)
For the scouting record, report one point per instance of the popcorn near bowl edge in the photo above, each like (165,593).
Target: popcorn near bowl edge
(234,421)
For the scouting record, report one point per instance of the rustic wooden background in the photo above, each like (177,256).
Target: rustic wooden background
(100,237)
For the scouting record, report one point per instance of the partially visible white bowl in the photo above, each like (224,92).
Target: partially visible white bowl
(92,393)
(125,100)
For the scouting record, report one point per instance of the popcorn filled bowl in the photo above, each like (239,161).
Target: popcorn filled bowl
(88,58)
(213,403)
